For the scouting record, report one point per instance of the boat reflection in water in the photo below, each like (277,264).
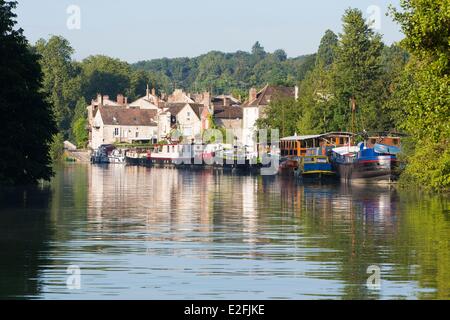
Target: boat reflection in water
(139,232)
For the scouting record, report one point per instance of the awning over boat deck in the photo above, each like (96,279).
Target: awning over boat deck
(301,138)
(315,136)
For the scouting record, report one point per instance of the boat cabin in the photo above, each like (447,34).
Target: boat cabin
(300,146)
(386,140)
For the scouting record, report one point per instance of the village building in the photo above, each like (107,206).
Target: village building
(230,118)
(149,101)
(117,124)
(254,108)
(187,118)
(225,101)
(179,96)
(102,100)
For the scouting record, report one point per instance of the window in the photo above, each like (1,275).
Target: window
(116,132)
(137,134)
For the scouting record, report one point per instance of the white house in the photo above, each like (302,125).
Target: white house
(113,124)
(254,108)
(185,117)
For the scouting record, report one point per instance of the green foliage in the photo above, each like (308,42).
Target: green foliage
(355,64)
(60,82)
(80,132)
(27,119)
(281,114)
(102,74)
(327,48)
(357,73)
(79,124)
(57,147)
(426,90)
(226,72)
(216,133)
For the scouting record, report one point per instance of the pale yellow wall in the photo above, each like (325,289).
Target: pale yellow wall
(187,118)
(105,133)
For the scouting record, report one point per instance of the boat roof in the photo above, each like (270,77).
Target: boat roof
(315,136)
(346,150)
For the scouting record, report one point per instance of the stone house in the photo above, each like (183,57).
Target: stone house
(112,124)
(185,117)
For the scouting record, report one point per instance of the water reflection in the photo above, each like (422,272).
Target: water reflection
(164,233)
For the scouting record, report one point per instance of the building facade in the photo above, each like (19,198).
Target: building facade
(113,124)
(254,108)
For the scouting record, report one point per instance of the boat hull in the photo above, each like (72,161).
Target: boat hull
(380,170)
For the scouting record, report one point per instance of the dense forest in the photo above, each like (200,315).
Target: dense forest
(401,87)
(235,73)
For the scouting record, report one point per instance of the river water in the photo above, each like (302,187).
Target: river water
(110,232)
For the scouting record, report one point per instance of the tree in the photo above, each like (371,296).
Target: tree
(79,124)
(102,74)
(317,100)
(80,132)
(426,93)
(357,73)
(60,81)
(281,114)
(327,49)
(258,51)
(280,55)
(28,123)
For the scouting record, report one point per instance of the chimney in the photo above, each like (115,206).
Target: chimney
(153,92)
(126,101)
(296,93)
(147,92)
(252,94)
(99,99)
(206,98)
(225,101)
(120,99)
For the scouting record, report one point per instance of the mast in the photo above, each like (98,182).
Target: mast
(353,102)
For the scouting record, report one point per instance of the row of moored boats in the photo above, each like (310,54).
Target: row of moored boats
(334,155)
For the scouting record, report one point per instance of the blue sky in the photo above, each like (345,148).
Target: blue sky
(135,30)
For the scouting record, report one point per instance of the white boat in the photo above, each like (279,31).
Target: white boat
(117,156)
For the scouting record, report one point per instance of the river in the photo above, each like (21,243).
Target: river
(123,232)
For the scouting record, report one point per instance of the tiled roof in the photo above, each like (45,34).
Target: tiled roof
(127,117)
(270,93)
(175,108)
(228,112)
